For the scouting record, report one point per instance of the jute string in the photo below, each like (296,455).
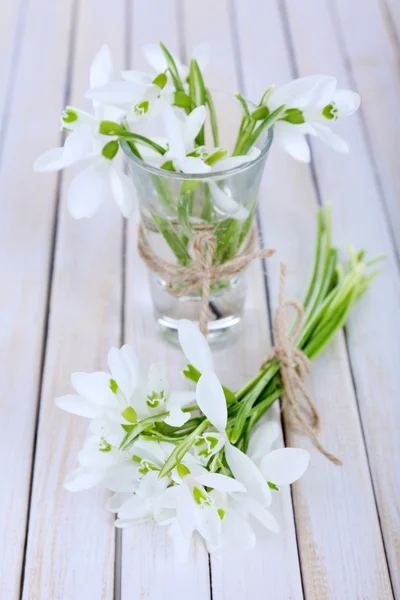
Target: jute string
(200,273)
(294,368)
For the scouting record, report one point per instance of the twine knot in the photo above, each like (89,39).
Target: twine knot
(294,367)
(201,273)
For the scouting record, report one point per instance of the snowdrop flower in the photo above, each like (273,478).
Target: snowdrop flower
(100,180)
(194,346)
(139,96)
(181,133)
(194,507)
(312,104)
(127,394)
(102,463)
(156,58)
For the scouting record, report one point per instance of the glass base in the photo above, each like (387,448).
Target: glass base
(225,310)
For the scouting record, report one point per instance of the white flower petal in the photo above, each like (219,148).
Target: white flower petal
(185,511)
(121,372)
(141,79)
(231,162)
(330,139)
(193,165)
(194,346)
(79,145)
(346,102)
(83,479)
(177,417)
(52,160)
(237,535)
(202,53)
(292,140)
(157,379)
(194,122)
(210,399)
(155,57)
(245,471)
(258,511)
(117,500)
(122,477)
(88,190)
(209,525)
(223,483)
(174,132)
(118,92)
(93,386)
(181,399)
(101,68)
(168,498)
(226,204)
(262,439)
(285,465)
(123,191)
(298,93)
(77,405)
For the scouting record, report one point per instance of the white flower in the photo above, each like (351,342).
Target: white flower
(101,180)
(312,104)
(194,507)
(139,96)
(181,133)
(195,346)
(127,394)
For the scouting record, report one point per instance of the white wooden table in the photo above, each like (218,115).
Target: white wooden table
(72,289)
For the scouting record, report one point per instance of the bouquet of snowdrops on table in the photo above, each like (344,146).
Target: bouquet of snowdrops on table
(198,462)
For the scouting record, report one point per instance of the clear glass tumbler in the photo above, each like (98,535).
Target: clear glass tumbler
(174,207)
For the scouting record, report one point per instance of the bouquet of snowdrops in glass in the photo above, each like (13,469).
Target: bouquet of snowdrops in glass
(195,158)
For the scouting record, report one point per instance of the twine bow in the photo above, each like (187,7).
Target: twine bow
(294,367)
(200,274)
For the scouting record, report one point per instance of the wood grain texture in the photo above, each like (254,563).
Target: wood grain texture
(70,552)
(334,507)
(12,30)
(372,332)
(373,63)
(149,566)
(26,223)
(273,564)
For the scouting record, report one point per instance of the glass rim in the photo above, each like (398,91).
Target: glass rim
(200,176)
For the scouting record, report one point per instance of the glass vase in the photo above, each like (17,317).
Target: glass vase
(175,207)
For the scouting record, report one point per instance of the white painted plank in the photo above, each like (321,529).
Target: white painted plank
(10,39)
(373,329)
(27,210)
(391,12)
(70,553)
(149,566)
(374,62)
(273,565)
(351,184)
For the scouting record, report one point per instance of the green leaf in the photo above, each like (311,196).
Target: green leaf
(216,156)
(267,94)
(168,166)
(222,233)
(213,117)
(266,124)
(197,93)
(110,150)
(129,135)
(184,207)
(293,116)
(190,185)
(173,69)
(183,100)
(245,228)
(173,240)
(181,449)
(243,103)
(139,427)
